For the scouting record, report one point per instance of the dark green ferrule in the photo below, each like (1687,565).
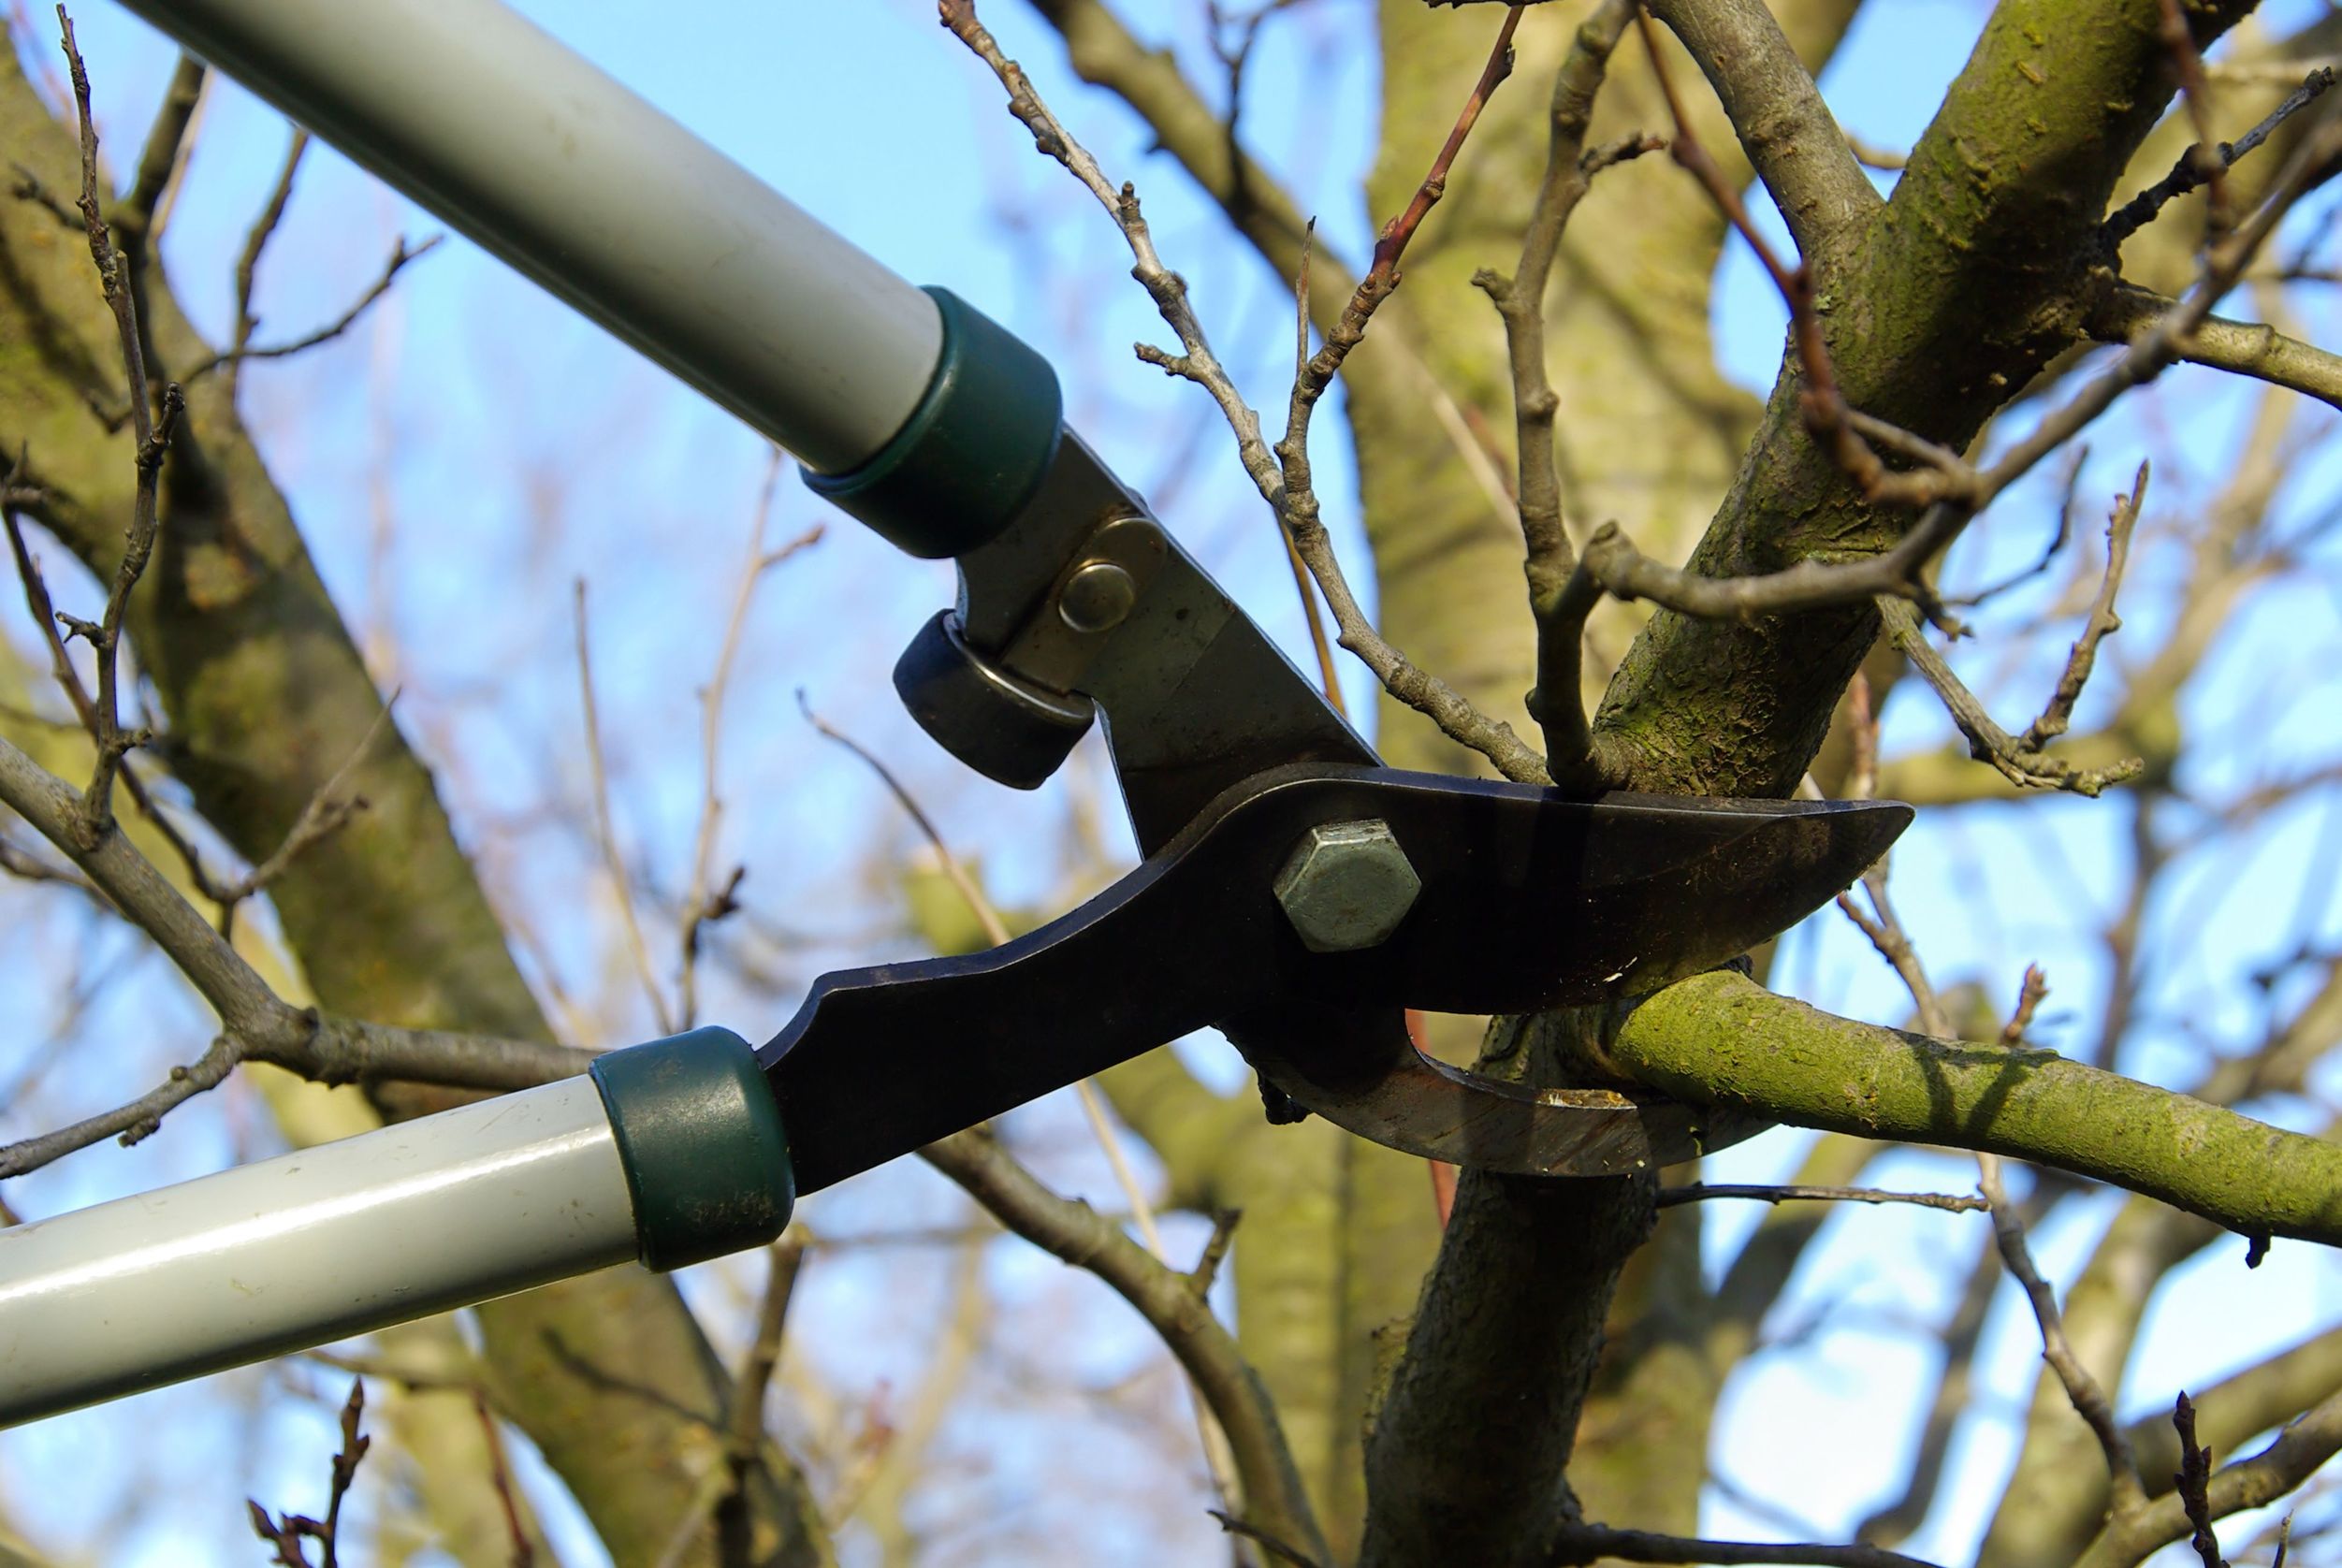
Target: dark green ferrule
(970,455)
(706,1162)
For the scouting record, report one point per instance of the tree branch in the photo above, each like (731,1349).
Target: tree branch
(2243,348)
(1579,1543)
(1699,1042)
(255,1024)
(1792,139)
(1273,1499)
(2289,1460)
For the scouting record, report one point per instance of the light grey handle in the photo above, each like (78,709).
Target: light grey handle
(542,158)
(310,1247)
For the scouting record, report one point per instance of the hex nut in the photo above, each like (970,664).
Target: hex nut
(1346,886)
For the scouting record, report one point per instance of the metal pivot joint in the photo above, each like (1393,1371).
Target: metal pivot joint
(1015,713)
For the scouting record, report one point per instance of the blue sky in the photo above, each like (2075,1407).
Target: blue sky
(514,447)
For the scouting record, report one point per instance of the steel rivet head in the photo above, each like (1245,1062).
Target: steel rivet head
(1096,597)
(1346,886)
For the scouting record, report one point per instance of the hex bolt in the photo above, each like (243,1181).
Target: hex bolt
(1346,886)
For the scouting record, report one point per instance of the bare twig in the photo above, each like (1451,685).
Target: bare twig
(286,1532)
(2290,1458)
(256,1025)
(152,433)
(726,1486)
(2210,162)
(2071,494)
(256,239)
(1699,1192)
(605,835)
(1274,1501)
(2028,999)
(1282,477)
(2057,713)
(1577,1544)
(400,253)
(2244,348)
(704,902)
(1284,1551)
(1560,595)
(141,214)
(2193,1484)
(2088,1400)
(1961,492)
(2194,169)
(326,814)
(1328,680)
(2021,759)
(1822,404)
(2008,1227)
(1294,495)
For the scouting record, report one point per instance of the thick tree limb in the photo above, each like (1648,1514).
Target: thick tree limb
(1462,1464)
(1965,283)
(1788,132)
(1721,1039)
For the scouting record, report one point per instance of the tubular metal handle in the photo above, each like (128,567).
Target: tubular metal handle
(670,1152)
(506,133)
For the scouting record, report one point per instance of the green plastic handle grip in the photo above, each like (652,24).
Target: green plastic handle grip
(706,1159)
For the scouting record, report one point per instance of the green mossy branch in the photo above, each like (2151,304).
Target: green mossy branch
(1721,1039)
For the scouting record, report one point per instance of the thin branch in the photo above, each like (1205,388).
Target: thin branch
(1888,934)
(2192,170)
(248,260)
(1293,494)
(152,433)
(256,1025)
(1281,477)
(726,1486)
(1560,596)
(2194,1483)
(2244,348)
(1274,1501)
(1284,1551)
(605,835)
(2289,1460)
(1328,679)
(1821,403)
(1699,1192)
(140,215)
(1987,741)
(2081,1391)
(2208,160)
(2057,713)
(1962,492)
(400,255)
(704,902)
(1578,1544)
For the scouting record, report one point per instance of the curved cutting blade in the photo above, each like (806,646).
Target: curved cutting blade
(1529,900)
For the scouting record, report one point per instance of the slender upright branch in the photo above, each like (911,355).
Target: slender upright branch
(152,433)
(1559,596)
(606,834)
